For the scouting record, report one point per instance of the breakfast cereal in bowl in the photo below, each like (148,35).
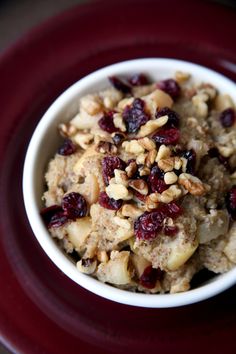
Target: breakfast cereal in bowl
(141,192)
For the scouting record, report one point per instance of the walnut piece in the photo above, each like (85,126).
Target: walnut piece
(139,185)
(170,177)
(118,191)
(193,184)
(151,126)
(131,169)
(131,211)
(133,147)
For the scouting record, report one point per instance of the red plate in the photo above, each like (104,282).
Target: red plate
(42,311)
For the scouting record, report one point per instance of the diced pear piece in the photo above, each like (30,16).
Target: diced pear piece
(180,252)
(140,264)
(122,234)
(157,99)
(223,102)
(115,271)
(78,167)
(92,187)
(216,223)
(230,248)
(78,231)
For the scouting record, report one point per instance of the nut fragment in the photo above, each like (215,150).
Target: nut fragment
(181,76)
(163,153)
(166,165)
(125,102)
(209,90)
(157,99)
(118,122)
(131,211)
(131,169)
(170,194)
(151,156)
(152,201)
(144,171)
(83,139)
(121,177)
(118,191)
(193,184)
(105,147)
(184,163)
(226,151)
(110,97)
(151,126)
(147,143)
(83,120)
(133,147)
(178,162)
(139,185)
(140,160)
(91,104)
(67,130)
(199,101)
(170,177)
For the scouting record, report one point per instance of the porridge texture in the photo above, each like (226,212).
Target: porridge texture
(142,191)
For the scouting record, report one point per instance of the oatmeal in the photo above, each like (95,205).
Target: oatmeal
(142,191)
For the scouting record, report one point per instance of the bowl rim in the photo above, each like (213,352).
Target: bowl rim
(213,287)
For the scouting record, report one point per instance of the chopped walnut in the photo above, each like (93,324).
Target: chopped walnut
(193,184)
(151,126)
(131,169)
(139,185)
(133,147)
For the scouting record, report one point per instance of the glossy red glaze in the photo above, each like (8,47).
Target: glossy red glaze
(42,311)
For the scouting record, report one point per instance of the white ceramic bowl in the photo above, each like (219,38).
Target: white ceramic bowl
(44,144)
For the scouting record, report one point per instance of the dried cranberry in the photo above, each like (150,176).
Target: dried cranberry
(143,235)
(214,152)
(138,80)
(147,226)
(109,164)
(156,180)
(173,117)
(58,220)
(170,230)
(68,148)
(190,155)
(230,200)
(170,86)
(109,203)
(74,205)
(106,123)
(227,117)
(172,210)
(166,136)
(49,212)
(150,276)
(118,138)
(134,116)
(119,85)
(151,221)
